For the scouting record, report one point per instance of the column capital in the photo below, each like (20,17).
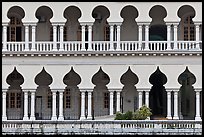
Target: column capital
(175,24)
(4,90)
(197,23)
(5,23)
(169,90)
(86,23)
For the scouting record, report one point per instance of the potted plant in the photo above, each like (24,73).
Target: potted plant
(142,113)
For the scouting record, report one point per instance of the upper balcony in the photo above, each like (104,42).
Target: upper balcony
(99,29)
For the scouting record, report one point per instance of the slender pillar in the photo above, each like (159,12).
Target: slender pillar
(175,105)
(54,38)
(197,116)
(140,98)
(168,36)
(25,117)
(32,114)
(146,37)
(111,37)
(26,38)
(33,37)
(118,37)
(4,117)
(147,98)
(82,105)
(197,29)
(4,37)
(61,38)
(89,38)
(89,105)
(111,102)
(140,36)
(169,104)
(175,36)
(61,117)
(54,116)
(118,101)
(83,37)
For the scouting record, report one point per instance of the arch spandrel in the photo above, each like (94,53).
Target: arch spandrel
(172,72)
(6,69)
(197,72)
(143,72)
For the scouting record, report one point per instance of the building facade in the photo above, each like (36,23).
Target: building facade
(83,60)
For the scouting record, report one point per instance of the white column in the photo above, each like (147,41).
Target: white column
(169,104)
(175,105)
(147,98)
(89,37)
(26,38)
(146,37)
(33,37)
(89,105)
(111,102)
(54,38)
(197,116)
(118,101)
(54,116)
(25,117)
(61,38)
(168,36)
(61,117)
(111,37)
(82,105)
(140,36)
(32,114)
(4,37)
(4,117)
(197,26)
(83,37)
(140,98)
(175,36)
(118,37)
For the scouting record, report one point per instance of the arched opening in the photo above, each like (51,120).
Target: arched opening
(129,27)
(14,98)
(72,98)
(186,26)
(101,31)
(100,96)
(43,96)
(187,95)
(44,30)
(15,29)
(72,28)
(158,29)
(129,94)
(158,95)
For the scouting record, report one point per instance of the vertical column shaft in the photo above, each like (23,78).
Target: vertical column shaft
(33,37)
(175,105)
(32,115)
(111,102)
(89,37)
(61,117)
(4,117)
(83,37)
(89,105)
(54,116)
(82,105)
(26,37)
(25,117)
(4,37)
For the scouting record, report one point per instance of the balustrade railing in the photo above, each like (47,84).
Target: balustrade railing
(103,46)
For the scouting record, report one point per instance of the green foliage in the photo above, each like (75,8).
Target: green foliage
(140,114)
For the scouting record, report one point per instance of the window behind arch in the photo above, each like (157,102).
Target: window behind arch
(14,30)
(188,28)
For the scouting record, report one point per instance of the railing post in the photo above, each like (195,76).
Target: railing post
(4,37)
